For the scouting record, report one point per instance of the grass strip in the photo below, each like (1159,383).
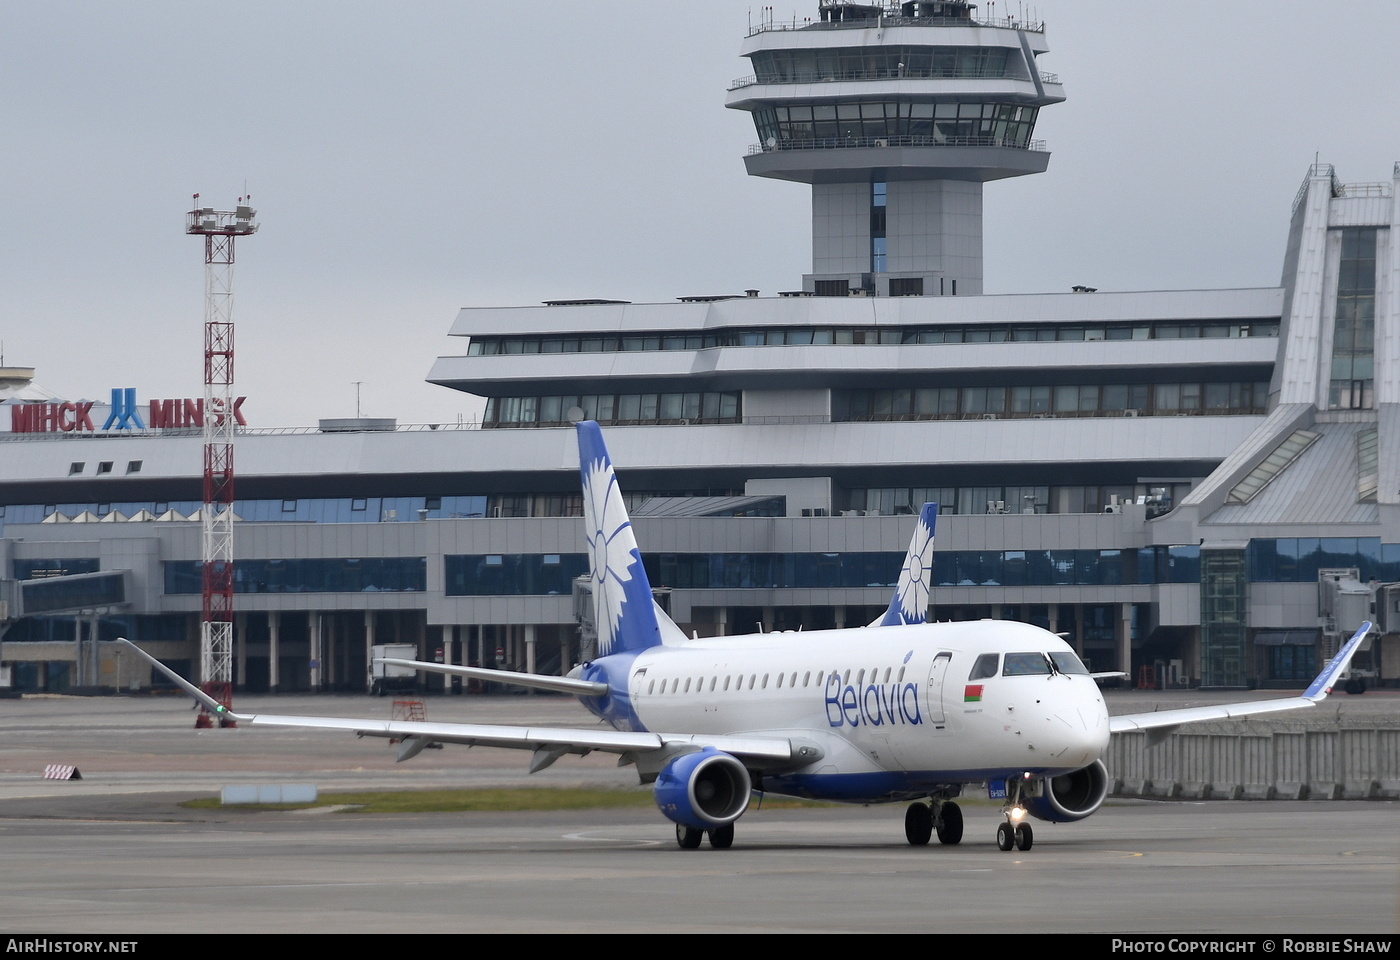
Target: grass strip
(474,801)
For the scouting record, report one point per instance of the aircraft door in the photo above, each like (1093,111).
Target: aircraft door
(937,674)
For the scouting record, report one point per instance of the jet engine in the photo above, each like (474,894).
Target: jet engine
(703,790)
(1070,796)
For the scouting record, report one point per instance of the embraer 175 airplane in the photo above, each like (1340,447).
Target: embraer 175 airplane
(901,710)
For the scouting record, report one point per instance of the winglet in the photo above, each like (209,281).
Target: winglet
(206,701)
(623,610)
(910,601)
(1322,685)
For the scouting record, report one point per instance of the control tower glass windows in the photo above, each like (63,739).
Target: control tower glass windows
(1354,330)
(886,63)
(897,123)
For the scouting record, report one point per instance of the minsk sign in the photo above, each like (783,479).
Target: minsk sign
(122,414)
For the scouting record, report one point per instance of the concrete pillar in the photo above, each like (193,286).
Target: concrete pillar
(839,612)
(1052,612)
(369,649)
(79,668)
(453,635)
(331,645)
(1124,633)
(722,621)
(530,649)
(240,650)
(274,630)
(313,623)
(566,660)
(79,654)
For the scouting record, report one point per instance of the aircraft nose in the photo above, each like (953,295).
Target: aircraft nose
(1079,731)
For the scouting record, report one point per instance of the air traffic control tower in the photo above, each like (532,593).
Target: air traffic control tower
(896,114)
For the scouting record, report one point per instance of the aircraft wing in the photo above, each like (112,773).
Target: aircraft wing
(1161,723)
(549,743)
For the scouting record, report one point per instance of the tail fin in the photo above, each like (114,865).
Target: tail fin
(622,603)
(910,601)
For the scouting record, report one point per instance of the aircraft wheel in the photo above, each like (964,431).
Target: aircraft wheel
(1024,836)
(1006,837)
(687,838)
(918,823)
(721,838)
(950,823)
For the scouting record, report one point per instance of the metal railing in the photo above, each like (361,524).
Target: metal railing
(753,80)
(169,432)
(841,143)
(1341,190)
(1007,23)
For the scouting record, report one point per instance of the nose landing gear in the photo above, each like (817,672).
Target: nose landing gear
(1014,832)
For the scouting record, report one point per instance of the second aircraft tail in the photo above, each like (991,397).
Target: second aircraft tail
(910,601)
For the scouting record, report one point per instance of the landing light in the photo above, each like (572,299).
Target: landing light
(1018,813)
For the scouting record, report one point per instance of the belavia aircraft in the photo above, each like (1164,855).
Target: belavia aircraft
(899,711)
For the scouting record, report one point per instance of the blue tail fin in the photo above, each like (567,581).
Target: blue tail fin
(910,601)
(623,609)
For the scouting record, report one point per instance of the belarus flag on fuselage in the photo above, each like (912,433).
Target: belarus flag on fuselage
(972,693)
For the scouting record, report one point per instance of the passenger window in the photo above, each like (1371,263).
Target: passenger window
(1026,665)
(986,666)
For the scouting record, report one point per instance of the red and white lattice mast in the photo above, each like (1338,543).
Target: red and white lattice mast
(219,228)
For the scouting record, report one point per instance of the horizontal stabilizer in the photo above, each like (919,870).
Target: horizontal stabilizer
(536,681)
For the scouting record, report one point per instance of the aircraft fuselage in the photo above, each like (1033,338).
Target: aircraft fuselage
(895,711)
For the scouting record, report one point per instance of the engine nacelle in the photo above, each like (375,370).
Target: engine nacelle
(1071,796)
(703,790)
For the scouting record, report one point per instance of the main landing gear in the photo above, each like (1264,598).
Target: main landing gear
(922,819)
(721,838)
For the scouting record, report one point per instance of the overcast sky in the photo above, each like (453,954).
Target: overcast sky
(410,159)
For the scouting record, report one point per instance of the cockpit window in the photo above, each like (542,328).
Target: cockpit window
(1066,662)
(1026,665)
(986,666)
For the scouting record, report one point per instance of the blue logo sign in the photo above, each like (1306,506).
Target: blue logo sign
(125,414)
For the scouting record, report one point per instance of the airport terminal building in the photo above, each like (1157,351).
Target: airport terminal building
(1195,486)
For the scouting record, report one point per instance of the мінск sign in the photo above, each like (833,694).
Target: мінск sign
(122,414)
